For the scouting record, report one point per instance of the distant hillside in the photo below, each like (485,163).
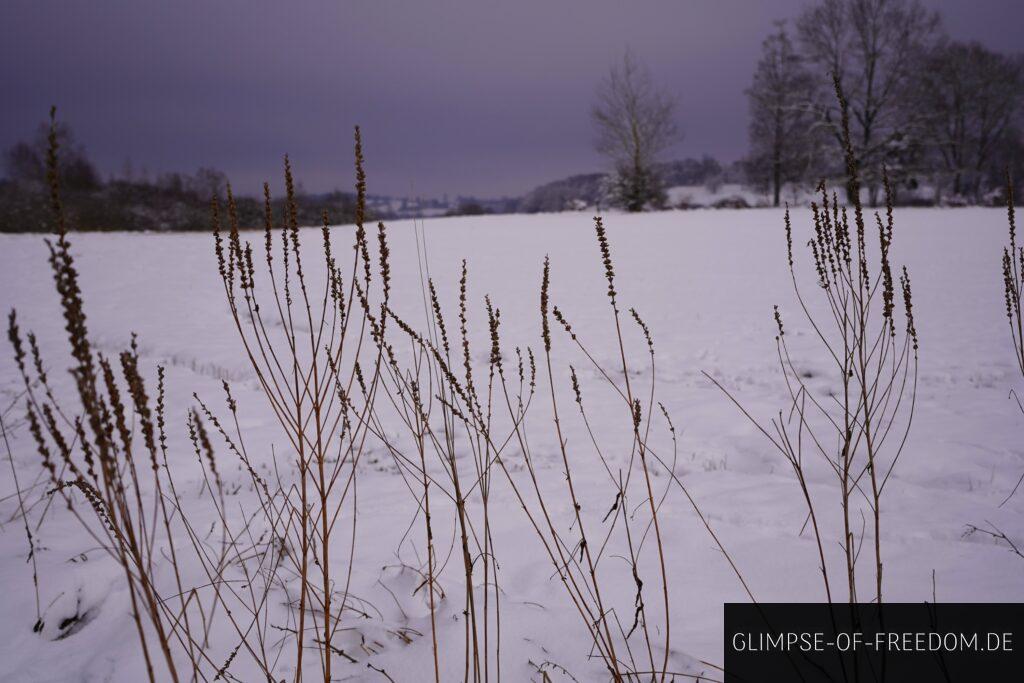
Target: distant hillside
(578,192)
(181,201)
(704,171)
(569,194)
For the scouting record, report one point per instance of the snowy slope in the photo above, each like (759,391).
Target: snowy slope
(706,283)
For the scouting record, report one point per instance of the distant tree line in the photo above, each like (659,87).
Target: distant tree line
(172,201)
(933,112)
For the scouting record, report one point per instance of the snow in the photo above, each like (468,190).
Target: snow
(705,283)
(708,195)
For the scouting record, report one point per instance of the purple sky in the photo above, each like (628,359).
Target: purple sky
(459,97)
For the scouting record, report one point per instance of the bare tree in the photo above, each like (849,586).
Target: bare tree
(1008,156)
(783,138)
(25,162)
(634,122)
(870,46)
(208,182)
(971,98)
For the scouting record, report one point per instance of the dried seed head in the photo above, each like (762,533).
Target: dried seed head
(1010,216)
(37,435)
(826,235)
(161,409)
(519,366)
(90,460)
(606,256)
(234,242)
(819,265)
(888,295)
(385,266)
(325,235)
(116,404)
(405,327)
(435,303)
(671,427)
(14,336)
(140,400)
(361,242)
(789,233)
(909,307)
(94,499)
(359,377)
(58,438)
(644,328)
(1009,284)
(493,322)
(285,260)
(250,273)
(218,243)
(268,224)
(37,358)
(467,364)
(545,284)
(363,252)
(292,203)
(227,663)
(201,442)
(53,176)
(889,200)
(555,311)
(575,386)
(232,405)
(360,180)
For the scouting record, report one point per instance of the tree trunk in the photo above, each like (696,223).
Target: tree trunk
(776,181)
(873,194)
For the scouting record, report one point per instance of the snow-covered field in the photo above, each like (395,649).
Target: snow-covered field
(705,282)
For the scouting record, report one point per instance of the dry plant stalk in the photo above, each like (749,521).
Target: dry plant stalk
(322,354)
(307,362)
(439,394)
(1013,289)
(1013,279)
(110,449)
(305,343)
(440,412)
(860,429)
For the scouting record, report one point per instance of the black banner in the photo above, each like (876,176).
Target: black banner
(919,642)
